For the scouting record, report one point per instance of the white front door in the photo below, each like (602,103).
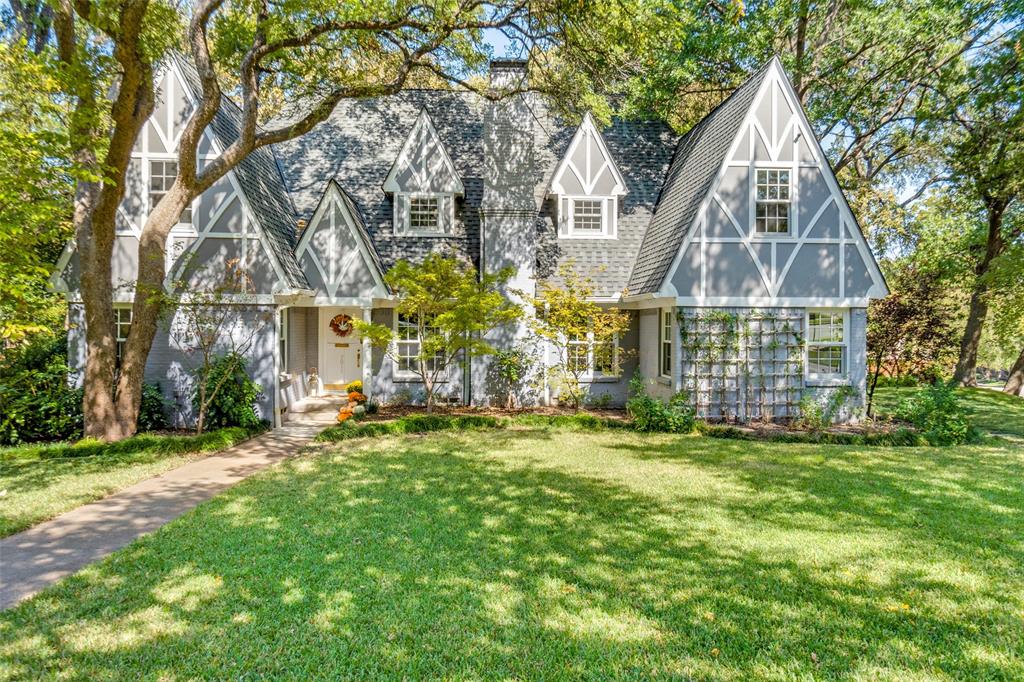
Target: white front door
(339,355)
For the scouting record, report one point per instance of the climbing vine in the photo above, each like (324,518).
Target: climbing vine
(743,364)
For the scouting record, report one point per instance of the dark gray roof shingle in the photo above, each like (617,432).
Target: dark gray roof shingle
(696,163)
(357,146)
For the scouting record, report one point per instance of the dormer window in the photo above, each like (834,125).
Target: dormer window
(587,216)
(424,214)
(587,186)
(424,184)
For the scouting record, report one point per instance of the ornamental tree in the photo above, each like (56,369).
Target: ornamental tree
(583,334)
(302,57)
(447,307)
(215,332)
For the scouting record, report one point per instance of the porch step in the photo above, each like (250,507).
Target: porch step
(316,410)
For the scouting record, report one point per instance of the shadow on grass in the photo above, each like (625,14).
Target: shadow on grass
(482,557)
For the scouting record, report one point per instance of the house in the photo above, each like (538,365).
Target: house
(745,272)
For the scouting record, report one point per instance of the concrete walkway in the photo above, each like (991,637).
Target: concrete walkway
(38,557)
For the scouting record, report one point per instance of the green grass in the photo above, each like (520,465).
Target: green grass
(545,553)
(994,412)
(43,481)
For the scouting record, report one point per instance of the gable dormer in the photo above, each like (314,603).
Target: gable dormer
(587,186)
(423,183)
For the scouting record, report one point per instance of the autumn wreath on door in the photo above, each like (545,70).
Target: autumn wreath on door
(341,325)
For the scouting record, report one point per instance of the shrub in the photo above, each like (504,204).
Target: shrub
(420,423)
(937,413)
(650,414)
(36,403)
(234,403)
(819,412)
(153,410)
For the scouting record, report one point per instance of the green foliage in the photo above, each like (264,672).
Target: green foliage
(896,438)
(650,414)
(36,188)
(36,403)
(153,410)
(817,414)
(408,424)
(938,414)
(453,307)
(235,394)
(582,332)
(512,368)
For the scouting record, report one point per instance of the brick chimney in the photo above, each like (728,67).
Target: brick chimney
(508,74)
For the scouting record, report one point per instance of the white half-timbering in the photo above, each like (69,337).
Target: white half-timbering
(587,186)
(424,183)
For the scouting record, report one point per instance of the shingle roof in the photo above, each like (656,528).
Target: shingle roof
(358,144)
(261,180)
(696,163)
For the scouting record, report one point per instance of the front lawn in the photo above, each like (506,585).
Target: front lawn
(995,412)
(540,553)
(39,482)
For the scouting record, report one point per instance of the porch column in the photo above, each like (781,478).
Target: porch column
(367,353)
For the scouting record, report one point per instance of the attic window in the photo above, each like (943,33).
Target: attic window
(424,214)
(773,197)
(587,216)
(587,187)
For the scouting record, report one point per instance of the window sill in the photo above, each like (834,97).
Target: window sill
(600,379)
(826,381)
(411,233)
(414,380)
(588,236)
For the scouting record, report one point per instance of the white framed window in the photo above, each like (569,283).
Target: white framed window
(827,346)
(161,176)
(407,346)
(122,325)
(589,217)
(424,214)
(772,195)
(593,357)
(665,345)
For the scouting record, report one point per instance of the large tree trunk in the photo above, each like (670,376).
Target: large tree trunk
(1015,382)
(964,375)
(148,305)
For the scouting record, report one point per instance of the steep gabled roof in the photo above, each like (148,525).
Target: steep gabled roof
(260,178)
(696,163)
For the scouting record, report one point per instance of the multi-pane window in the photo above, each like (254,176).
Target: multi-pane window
(161,177)
(122,325)
(826,344)
(424,214)
(578,351)
(407,346)
(665,360)
(587,216)
(589,354)
(773,196)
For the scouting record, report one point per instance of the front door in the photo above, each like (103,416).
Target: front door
(339,348)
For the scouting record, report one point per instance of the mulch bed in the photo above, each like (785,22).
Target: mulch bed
(388,412)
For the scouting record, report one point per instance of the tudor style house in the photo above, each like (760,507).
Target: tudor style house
(745,272)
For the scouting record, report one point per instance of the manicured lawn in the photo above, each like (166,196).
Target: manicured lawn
(537,553)
(43,481)
(993,411)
